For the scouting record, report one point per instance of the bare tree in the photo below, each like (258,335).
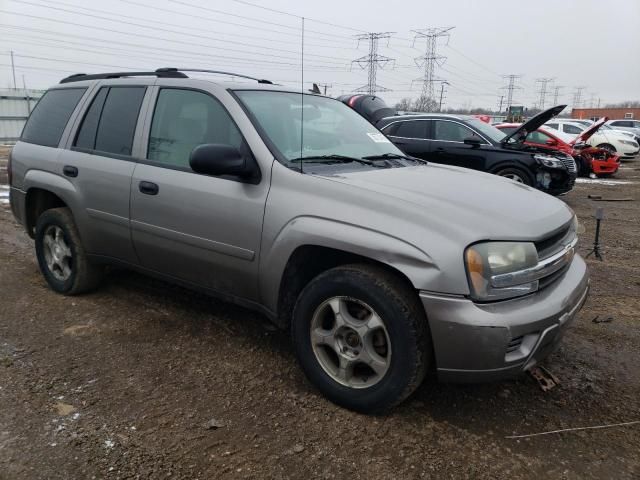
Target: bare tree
(404,105)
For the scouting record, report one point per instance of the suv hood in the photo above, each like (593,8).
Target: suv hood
(460,204)
(533,124)
(588,133)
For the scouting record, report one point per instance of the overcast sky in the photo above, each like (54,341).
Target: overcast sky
(587,43)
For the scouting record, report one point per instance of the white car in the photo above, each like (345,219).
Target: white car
(626,125)
(616,142)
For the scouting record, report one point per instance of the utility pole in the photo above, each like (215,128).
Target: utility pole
(543,91)
(510,87)
(577,96)
(556,93)
(372,61)
(444,82)
(13,69)
(429,61)
(592,100)
(26,95)
(325,86)
(500,103)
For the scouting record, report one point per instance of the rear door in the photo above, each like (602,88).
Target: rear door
(100,163)
(448,145)
(201,229)
(410,136)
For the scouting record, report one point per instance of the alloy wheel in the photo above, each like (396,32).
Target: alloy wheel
(57,253)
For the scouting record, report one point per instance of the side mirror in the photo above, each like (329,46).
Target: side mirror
(473,141)
(219,159)
(551,142)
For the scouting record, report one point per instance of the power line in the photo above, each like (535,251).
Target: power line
(244,2)
(430,59)
(372,61)
(234,42)
(543,91)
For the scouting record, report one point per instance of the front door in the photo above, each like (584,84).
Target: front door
(448,145)
(201,229)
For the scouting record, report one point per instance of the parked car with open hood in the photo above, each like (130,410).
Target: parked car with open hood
(588,159)
(620,143)
(382,266)
(467,141)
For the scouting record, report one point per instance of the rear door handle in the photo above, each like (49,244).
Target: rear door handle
(70,171)
(148,188)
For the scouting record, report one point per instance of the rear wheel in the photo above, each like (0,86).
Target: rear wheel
(361,337)
(516,174)
(608,147)
(61,256)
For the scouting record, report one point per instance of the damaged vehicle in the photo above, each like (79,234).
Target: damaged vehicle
(466,141)
(382,267)
(589,160)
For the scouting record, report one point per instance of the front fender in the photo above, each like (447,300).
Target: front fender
(413,262)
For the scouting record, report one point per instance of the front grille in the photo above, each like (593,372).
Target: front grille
(569,163)
(514,344)
(555,242)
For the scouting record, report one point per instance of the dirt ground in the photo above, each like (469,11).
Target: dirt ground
(145,380)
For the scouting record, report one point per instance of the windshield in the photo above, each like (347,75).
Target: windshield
(492,133)
(326,126)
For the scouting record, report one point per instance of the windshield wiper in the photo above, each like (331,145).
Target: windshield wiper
(387,156)
(333,158)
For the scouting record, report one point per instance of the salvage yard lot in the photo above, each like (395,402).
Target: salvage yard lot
(142,379)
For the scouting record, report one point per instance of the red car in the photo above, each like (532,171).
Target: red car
(588,159)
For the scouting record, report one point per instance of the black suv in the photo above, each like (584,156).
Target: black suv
(466,141)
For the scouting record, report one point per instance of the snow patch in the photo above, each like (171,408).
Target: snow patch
(599,181)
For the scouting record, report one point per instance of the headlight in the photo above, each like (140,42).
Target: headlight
(548,161)
(629,142)
(484,260)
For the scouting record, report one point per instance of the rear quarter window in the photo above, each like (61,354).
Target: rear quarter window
(50,117)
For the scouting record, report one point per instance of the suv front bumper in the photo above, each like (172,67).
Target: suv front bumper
(476,342)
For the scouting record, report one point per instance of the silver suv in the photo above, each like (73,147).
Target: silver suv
(383,267)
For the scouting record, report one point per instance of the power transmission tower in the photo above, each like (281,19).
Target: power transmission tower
(592,100)
(372,61)
(543,91)
(577,96)
(556,93)
(429,61)
(511,87)
(325,86)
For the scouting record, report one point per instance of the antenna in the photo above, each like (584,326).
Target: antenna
(302,98)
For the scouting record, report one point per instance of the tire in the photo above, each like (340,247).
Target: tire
(608,147)
(399,347)
(516,174)
(61,257)
(583,169)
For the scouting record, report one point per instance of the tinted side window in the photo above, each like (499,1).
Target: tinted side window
(452,132)
(572,129)
(47,122)
(538,137)
(412,129)
(86,137)
(184,119)
(118,120)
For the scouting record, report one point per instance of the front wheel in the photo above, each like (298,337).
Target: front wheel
(361,337)
(608,147)
(516,174)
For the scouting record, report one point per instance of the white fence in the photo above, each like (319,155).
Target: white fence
(15,107)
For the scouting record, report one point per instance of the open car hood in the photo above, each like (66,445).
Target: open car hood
(531,125)
(587,134)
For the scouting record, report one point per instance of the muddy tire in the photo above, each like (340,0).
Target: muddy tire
(516,174)
(361,337)
(61,256)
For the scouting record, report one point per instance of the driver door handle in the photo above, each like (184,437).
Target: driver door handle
(148,188)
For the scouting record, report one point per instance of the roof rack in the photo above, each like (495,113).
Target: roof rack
(166,72)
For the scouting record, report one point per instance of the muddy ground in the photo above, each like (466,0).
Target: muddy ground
(145,380)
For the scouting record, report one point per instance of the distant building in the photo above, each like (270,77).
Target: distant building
(612,113)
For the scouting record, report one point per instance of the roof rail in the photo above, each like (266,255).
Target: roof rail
(166,72)
(160,73)
(219,72)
